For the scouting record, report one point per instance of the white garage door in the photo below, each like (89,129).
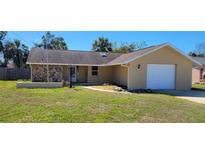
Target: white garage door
(160,76)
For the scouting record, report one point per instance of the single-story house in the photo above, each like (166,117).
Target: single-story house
(198,73)
(156,67)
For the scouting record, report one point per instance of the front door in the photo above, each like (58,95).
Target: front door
(73,73)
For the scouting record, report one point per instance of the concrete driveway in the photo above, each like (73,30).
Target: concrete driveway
(192,95)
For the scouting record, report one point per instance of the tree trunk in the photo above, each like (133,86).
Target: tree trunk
(18,58)
(5,62)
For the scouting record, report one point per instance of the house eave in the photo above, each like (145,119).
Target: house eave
(73,64)
(167,44)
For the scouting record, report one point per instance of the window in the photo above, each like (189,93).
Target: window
(201,73)
(94,70)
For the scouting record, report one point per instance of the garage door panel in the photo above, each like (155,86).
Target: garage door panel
(160,76)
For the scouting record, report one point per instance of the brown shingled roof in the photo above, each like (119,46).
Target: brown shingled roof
(200,60)
(39,56)
(126,57)
(69,57)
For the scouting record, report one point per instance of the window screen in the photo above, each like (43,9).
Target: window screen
(94,70)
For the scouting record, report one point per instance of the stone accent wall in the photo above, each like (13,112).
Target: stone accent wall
(55,73)
(39,73)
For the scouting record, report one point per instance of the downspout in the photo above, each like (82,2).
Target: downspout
(71,82)
(47,64)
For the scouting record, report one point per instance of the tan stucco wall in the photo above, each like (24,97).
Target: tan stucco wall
(82,73)
(66,73)
(105,75)
(120,75)
(137,78)
(195,75)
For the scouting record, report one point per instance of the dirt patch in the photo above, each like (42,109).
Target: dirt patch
(104,90)
(148,118)
(99,108)
(71,90)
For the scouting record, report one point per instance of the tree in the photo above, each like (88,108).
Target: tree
(59,43)
(2,41)
(13,50)
(3,35)
(17,52)
(25,53)
(102,45)
(192,54)
(7,52)
(2,38)
(49,41)
(129,47)
(20,53)
(199,50)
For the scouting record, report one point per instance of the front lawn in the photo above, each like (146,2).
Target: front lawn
(198,86)
(83,105)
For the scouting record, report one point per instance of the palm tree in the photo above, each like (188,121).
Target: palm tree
(13,50)
(49,41)
(2,41)
(17,53)
(59,43)
(2,37)
(20,53)
(7,52)
(129,47)
(102,45)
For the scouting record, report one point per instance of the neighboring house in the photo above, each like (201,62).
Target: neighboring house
(10,65)
(198,73)
(156,67)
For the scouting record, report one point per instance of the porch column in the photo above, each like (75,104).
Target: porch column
(31,73)
(47,73)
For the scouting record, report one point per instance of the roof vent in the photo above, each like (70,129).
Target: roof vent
(103,54)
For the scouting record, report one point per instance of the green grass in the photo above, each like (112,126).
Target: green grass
(199,86)
(82,105)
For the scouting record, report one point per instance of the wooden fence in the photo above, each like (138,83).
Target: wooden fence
(15,73)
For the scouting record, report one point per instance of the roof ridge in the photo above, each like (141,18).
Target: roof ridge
(73,50)
(84,51)
(145,48)
(197,57)
(151,46)
(61,49)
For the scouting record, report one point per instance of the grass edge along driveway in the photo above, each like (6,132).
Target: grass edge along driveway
(199,86)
